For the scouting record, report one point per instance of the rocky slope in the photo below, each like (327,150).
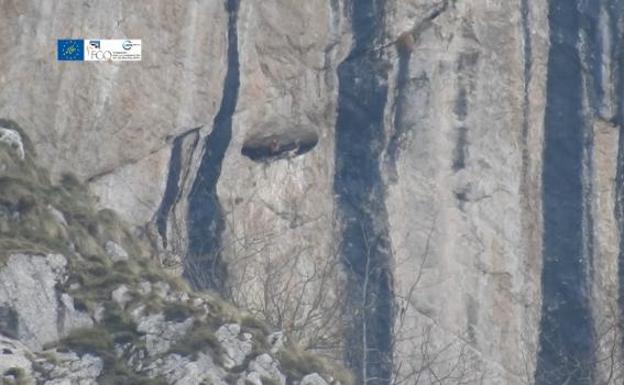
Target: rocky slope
(429,190)
(81,303)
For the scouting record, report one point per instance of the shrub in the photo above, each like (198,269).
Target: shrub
(297,363)
(95,341)
(18,374)
(177,312)
(198,339)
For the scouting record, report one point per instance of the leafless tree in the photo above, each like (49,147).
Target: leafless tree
(299,292)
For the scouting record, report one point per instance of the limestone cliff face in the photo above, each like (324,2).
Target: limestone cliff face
(437,183)
(80,304)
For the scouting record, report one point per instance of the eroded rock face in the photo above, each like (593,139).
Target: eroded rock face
(95,119)
(147,343)
(12,139)
(13,355)
(183,371)
(313,379)
(463,193)
(267,147)
(236,349)
(160,334)
(73,369)
(290,138)
(264,366)
(36,313)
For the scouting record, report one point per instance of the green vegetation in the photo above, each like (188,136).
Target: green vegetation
(200,338)
(99,341)
(297,363)
(94,341)
(18,374)
(30,205)
(269,381)
(178,312)
(39,216)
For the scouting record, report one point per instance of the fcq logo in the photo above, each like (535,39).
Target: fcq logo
(101,55)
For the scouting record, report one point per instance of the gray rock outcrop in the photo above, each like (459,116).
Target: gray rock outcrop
(28,290)
(53,344)
(116,252)
(12,139)
(313,379)
(236,349)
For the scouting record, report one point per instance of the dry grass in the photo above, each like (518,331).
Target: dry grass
(28,225)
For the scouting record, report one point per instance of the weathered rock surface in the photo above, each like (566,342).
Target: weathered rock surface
(77,352)
(69,368)
(126,112)
(261,145)
(28,291)
(313,379)
(13,140)
(236,349)
(96,311)
(13,354)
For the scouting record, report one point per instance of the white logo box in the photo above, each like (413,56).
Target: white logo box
(112,50)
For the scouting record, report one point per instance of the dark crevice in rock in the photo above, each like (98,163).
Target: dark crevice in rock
(366,250)
(401,104)
(329,51)
(60,315)
(128,163)
(279,146)
(592,54)
(591,57)
(9,323)
(461,104)
(461,149)
(616,10)
(462,197)
(413,33)
(204,267)
(566,329)
(526,107)
(472,312)
(588,174)
(172,190)
(466,67)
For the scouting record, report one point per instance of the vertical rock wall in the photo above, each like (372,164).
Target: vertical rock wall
(365,250)
(464,186)
(203,265)
(566,329)
(442,178)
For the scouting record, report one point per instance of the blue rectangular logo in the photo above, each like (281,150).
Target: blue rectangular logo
(70,50)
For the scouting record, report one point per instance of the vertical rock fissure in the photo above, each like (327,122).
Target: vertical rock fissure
(466,67)
(592,54)
(461,146)
(401,104)
(528,63)
(172,189)
(616,10)
(566,328)
(365,250)
(204,267)
(406,87)
(334,41)
(591,58)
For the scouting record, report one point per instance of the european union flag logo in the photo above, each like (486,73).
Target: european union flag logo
(70,50)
